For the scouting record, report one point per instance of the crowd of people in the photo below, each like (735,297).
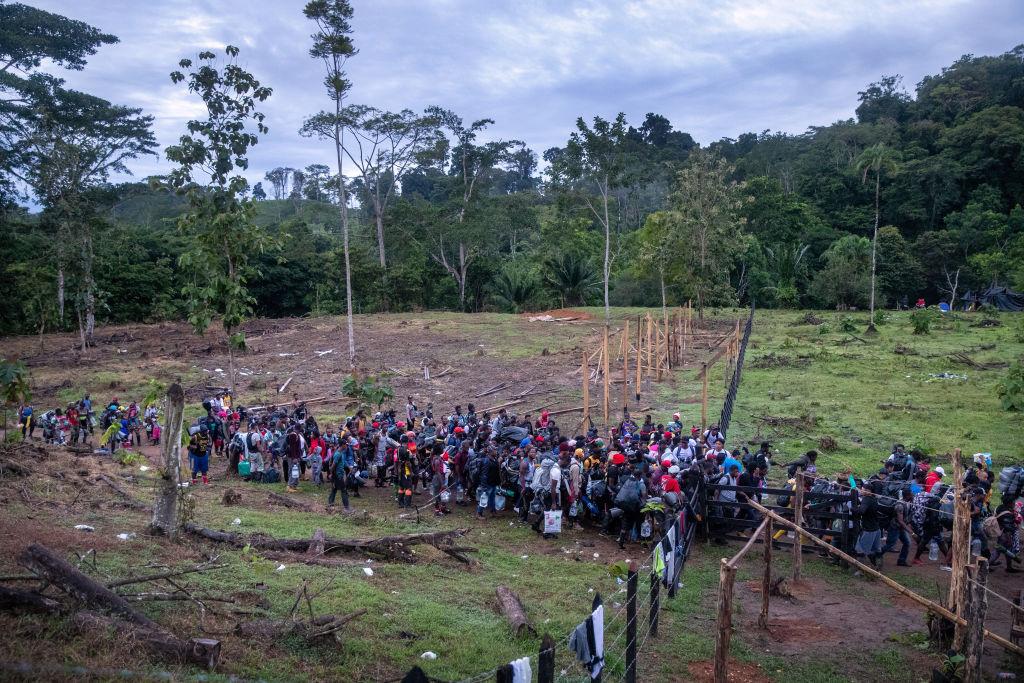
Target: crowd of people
(626,483)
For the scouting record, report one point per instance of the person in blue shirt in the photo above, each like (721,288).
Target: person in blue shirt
(730,460)
(27,423)
(342,462)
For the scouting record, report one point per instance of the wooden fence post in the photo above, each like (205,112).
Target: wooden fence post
(704,399)
(650,346)
(631,585)
(723,632)
(585,370)
(668,341)
(652,619)
(766,579)
(625,365)
(607,379)
(960,553)
(639,357)
(546,660)
(798,519)
(977,605)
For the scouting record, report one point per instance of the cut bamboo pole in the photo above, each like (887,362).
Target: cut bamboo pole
(704,399)
(650,346)
(668,339)
(607,379)
(932,607)
(639,358)
(585,374)
(798,519)
(625,365)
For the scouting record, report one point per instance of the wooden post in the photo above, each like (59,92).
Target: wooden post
(798,519)
(607,379)
(736,343)
(625,365)
(977,605)
(766,579)
(960,552)
(650,346)
(585,369)
(652,618)
(639,358)
(546,660)
(631,585)
(668,339)
(704,399)
(165,508)
(723,632)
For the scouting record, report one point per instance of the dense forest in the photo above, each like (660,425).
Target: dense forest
(439,215)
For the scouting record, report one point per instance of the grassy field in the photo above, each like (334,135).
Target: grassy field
(863,394)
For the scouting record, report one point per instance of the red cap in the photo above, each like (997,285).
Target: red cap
(459,430)
(618,458)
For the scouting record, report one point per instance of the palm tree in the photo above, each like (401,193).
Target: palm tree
(876,159)
(571,278)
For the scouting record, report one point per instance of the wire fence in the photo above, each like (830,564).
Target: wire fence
(734,384)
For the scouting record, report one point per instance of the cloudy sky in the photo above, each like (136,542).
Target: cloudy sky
(715,68)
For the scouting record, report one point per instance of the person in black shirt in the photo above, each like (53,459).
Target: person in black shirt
(869,542)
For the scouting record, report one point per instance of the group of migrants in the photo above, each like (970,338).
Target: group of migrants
(629,482)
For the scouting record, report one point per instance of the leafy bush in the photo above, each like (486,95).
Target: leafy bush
(922,319)
(881,317)
(847,324)
(1011,388)
(128,458)
(374,390)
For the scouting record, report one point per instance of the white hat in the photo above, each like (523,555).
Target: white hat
(939,471)
(674,469)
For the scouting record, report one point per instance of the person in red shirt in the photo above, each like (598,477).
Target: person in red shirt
(933,478)
(669,483)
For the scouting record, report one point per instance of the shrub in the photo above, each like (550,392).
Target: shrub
(374,390)
(846,324)
(128,458)
(922,319)
(1011,388)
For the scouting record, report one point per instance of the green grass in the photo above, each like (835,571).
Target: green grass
(867,397)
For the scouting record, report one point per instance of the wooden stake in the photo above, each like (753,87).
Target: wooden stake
(607,379)
(766,579)
(650,346)
(798,519)
(639,358)
(977,606)
(704,399)
(585,372)
(960,552)
(625,365)
(723,632)
(932,607)
(668,339)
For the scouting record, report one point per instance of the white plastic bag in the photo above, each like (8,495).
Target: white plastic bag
(553,522)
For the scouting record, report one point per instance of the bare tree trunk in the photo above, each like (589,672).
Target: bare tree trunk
(165,509)
(60,293)
(343,200)
(380,238)
(664,298)
(231,366)
(463,267)
(90,287)
(81,329)
(874,245)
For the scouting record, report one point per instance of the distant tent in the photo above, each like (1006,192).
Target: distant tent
(1000,298)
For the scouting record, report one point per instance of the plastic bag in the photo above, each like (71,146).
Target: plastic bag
(553,522)
(445,497)
(499,503)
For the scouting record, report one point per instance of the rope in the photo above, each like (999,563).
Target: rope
(1000,596)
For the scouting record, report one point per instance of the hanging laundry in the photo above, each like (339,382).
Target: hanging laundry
(587,639)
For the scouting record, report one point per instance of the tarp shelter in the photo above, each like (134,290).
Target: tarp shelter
(1000,298)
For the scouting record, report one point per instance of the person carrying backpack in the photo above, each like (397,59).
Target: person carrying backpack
(199,453)
(630,499)
(342,463)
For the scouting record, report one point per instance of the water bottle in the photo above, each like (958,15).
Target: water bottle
(645,529)
(976,547)
(933,551)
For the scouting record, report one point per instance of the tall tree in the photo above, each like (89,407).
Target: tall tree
(590,167)
(318,177)
(384,146)
(877,159)
(332,44)
(468,165)
(220,223)
(704,211)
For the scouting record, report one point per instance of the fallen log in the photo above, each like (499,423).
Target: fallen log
(25,601)
(444,372)
(310,629)
(202,652)
(512,608)
(129,500)
(563,411)
(206,566)
(82,588)
(502,405)
(487,392)
(278,499)
(392,547)
(285,385)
